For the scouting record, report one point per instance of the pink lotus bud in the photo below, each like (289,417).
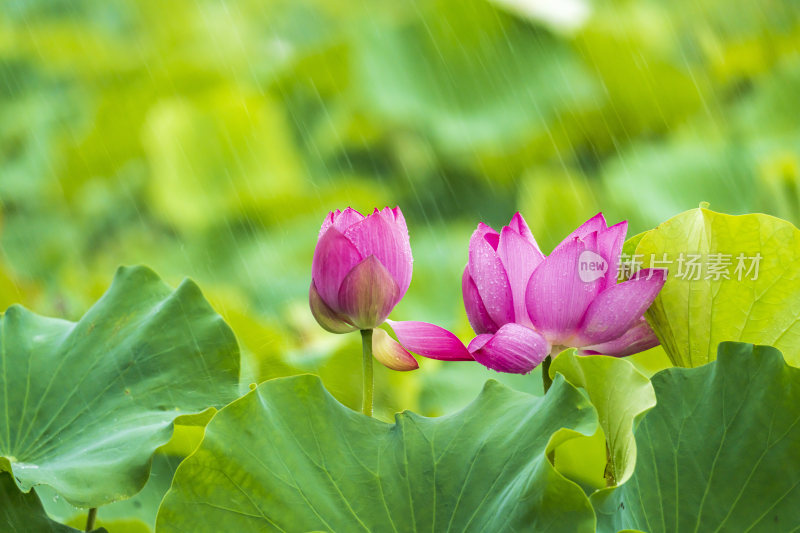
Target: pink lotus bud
(361,269)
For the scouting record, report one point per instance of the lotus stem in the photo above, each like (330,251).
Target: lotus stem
(366,344)
(546,380)
(90,519)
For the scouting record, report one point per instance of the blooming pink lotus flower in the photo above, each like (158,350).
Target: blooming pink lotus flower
(525,306)
(361,269)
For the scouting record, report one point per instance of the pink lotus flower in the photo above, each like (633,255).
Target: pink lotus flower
(525,306)
(361,270)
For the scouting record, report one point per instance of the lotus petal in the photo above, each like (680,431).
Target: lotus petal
(514,348)
(520,259)
(368,294)
(489,275)
(391,353)
(478,317)
(325,316)
(430,341)
(374,235)
(334,257)
(637,339)
(557,297)
(618,308)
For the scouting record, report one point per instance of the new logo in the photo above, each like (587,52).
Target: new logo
(591,266)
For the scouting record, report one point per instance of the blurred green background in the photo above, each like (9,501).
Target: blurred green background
(209,139)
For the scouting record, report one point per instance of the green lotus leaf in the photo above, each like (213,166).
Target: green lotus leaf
(629,247)
(698,308)
(138,511)
(620,394)
(288,457)
(24,512)
(85,404)
(719,450)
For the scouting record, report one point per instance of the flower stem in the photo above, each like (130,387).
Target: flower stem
(90,519)
(366,344)
(546,380)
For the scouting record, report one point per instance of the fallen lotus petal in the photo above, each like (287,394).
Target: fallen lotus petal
(430,340)
(391,353)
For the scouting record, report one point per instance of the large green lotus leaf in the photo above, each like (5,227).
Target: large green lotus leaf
(651,361)
(583,460)
(287,456)
(692,316)
(23,512)
(620,394)
(719,450)
(138,511)
(86,404)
